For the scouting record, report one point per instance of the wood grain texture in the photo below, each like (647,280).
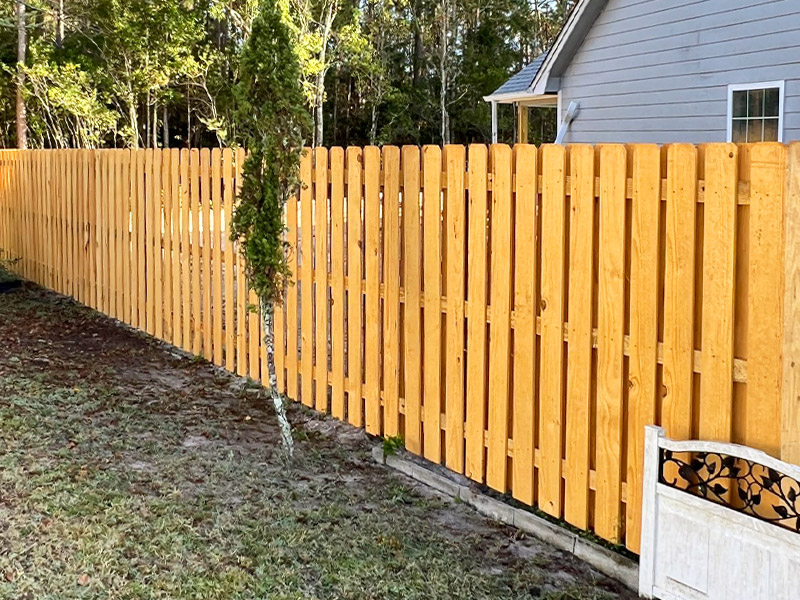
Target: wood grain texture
(500,329)
(391,285)
(644,299)
(412,281)
(551,306)
(610,337)
(580,317)
(194,207)
(432,293)
(455,234)
(372,277)
(206,316)
(765,309)
(337,283)
(186,255)
(218,347)
(525,301)
(321,306)
(355,184)
(679,294)
(306,282)
(790,393)
(719,274)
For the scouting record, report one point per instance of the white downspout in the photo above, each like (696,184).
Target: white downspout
(494,122)
(569,116)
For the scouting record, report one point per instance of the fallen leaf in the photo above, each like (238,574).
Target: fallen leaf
(10,575)
(83,579)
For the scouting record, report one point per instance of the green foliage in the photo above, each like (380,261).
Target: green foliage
(144,72)
(392,445)
(271,121)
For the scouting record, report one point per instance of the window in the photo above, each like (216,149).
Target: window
(755,112)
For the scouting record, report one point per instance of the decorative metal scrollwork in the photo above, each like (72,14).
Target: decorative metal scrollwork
(738,484)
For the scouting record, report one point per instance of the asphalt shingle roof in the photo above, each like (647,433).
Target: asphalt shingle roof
(522,80)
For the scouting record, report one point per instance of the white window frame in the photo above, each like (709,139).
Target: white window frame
(741,87)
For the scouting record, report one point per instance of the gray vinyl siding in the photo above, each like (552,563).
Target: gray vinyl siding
(658,70)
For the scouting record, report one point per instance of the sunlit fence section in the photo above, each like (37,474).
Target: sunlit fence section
(517,314)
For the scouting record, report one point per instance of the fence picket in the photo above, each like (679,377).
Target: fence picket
(500,327)
(167,274)
(306,282)
(645,234)
(412,280)
(580,319)
(354,276)
(524,347)
(455,232)
(432,295)
(391,285)
(216,234)
(610,340)
(719,256)
(764,306)
(477,279)
(372,277)
(197,300)
(186,255)
(551,306)
(176,336)
(321,305)
(230,303)
(337,283)
(679,266)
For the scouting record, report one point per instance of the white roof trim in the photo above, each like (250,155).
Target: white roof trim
(512,97)
(539,83)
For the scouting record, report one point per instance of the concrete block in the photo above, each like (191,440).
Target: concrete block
(608,562)
(436,481)
(494,509)
(545,530)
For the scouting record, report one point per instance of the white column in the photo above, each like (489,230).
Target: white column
(494,122)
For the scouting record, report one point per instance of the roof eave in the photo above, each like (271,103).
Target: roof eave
(542,83)
(512,97)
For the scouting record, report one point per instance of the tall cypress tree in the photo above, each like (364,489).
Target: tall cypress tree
(271,124)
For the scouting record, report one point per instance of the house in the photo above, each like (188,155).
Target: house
(666,71)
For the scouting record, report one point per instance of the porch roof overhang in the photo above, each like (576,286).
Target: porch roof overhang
(524,98)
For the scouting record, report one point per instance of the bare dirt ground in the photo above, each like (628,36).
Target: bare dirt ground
(128,471)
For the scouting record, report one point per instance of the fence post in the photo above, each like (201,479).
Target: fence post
(790,388)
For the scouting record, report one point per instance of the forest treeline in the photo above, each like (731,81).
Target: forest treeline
(161,73)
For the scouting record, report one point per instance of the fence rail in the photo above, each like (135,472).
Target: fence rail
(518,315)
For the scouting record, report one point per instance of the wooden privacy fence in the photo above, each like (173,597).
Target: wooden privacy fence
(517,314)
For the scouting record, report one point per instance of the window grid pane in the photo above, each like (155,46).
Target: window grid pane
(755,115)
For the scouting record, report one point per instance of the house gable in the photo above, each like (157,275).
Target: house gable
(660,70)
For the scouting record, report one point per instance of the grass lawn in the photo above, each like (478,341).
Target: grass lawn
(127,471)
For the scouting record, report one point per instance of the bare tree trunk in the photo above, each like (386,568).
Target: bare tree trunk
(22,48)
(60,24)
(155,124)
(373,126)
(335,107)
(445,115)
(268,316)
(416,60)
(133,116)
(165,124)
(147,121)
(319,92)
(188,117)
